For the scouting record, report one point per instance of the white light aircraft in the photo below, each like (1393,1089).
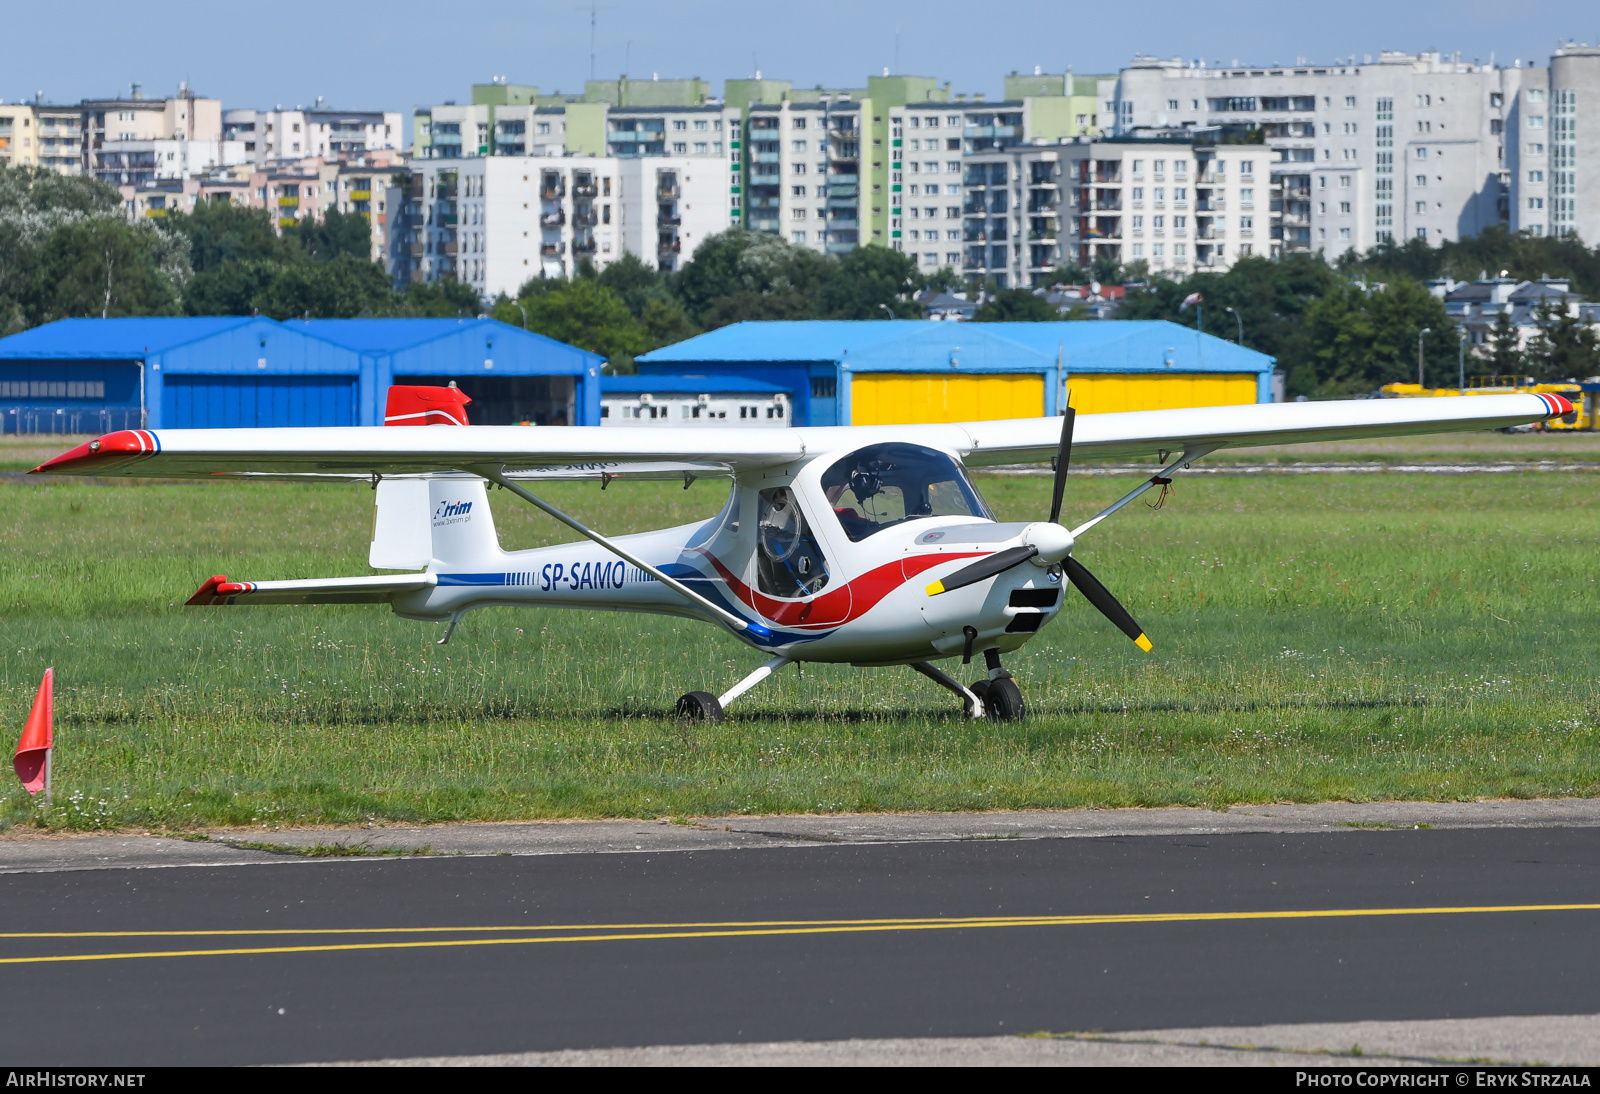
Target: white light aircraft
(867,545)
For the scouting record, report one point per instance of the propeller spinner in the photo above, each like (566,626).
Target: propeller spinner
(1052,543)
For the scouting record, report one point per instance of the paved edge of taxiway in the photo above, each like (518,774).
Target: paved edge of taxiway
(1558,1039)
(23,851)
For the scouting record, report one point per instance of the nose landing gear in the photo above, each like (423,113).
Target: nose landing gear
(995,697)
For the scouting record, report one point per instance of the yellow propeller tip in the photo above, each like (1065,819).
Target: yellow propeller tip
(936,588)
(1143,643)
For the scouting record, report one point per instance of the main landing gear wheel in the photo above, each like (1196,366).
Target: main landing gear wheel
(699,706)
(1002,699)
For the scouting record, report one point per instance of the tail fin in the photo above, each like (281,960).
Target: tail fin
(423,521)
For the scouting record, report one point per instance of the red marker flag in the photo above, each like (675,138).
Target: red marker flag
(32,761)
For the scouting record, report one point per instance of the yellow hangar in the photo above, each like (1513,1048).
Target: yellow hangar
(890,372)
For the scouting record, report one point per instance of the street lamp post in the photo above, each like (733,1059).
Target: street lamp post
(524,312)
(1424,332)
(1236,319)
(1461,364)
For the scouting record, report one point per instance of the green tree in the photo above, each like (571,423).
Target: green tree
(342,288)
(1566,348)
(220,232)
(944,279)
(1016,306)
(635,283)
(332,236)
(738,275)
(102,266)
(868,280)
(1361,338)
(1505,356)
(444,299)
(587,314)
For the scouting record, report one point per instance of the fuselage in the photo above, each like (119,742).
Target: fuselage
(823,579)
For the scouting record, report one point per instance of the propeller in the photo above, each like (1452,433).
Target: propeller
(1053,540)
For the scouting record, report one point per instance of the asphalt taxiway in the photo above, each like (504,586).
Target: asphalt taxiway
(847,939)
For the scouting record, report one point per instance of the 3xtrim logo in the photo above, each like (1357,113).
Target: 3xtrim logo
(452,512)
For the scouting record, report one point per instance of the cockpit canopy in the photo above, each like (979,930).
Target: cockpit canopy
(883,485)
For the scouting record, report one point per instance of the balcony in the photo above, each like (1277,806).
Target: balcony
(1215,205)
(988,131)
(585,190)
(447,248)
(669,247)
(360,195)
(669,220)
(584,218)
(288,203)
(668,191)
(416,250)
(1108,206)
(550,250)
(583,246)
(552,220)
(842,225)
(553,193)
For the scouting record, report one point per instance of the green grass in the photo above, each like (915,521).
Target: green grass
(1321,637)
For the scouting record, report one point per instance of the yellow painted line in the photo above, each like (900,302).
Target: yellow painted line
(754,929)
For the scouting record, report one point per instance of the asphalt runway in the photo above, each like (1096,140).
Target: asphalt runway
(367,958)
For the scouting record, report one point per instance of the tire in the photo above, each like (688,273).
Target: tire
(699,706)
(1004,702)
(980,688)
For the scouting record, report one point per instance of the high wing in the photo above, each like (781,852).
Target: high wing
(568,451)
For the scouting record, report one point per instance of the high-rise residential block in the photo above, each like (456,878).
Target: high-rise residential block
(268,136)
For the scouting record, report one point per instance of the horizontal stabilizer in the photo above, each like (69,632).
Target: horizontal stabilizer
(379,589)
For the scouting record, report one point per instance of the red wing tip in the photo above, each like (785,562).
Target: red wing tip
(207,594)
(113,446)
(1560,405)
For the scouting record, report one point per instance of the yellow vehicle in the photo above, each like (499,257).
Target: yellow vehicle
(1585,398)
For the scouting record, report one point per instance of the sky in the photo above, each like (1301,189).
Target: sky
(402,53)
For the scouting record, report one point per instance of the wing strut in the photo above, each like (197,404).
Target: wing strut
(739,624)
(1188,457)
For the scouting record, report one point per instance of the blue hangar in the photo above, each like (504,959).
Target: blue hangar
(96,375)
(890,372)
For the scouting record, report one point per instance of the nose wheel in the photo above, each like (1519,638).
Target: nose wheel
(1002,699)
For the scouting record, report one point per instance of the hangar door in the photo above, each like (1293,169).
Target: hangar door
(902,398)
(1101,393)
(226,402)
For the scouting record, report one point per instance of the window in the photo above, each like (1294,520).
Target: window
(799,237)
(678,125)
(1158,166)
(1247,167)
(1535,149)
(1536,203)
(1179,250)
(788,561)
(1322,208)
(1422,207)
(1138,250)
(680,147)
(1422,180)
(1158,250)
(700,126)
(1180,193)
(1344,235)
(888,484)
(1349,102)
(1138,168)
(1158,222)
(1344,182)
(797,146)
(1246,224)
(797,169)
(1179,223)
(1136,195)
(1535,95)
(1535,176)
(1138,223)
(797,191)
(797,214)
(797,123)
(1247,196)
(1536,121)
(1344,208)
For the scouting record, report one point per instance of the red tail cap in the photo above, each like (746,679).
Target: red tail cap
(425,406)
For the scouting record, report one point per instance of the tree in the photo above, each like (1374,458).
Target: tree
(335,234)
(1016,306)
(587,314)
(738,275)
(343,288)
(443,299)
(220,232)
(944,279)
(1505,356)
(1361,338)
(1566,348)
(868,280)
(101,266)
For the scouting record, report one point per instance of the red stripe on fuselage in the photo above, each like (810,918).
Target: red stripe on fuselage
(835,607)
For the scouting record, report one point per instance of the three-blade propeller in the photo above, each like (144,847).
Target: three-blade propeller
(1077,573)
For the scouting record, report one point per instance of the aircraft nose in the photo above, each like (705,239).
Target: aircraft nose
(1053,542)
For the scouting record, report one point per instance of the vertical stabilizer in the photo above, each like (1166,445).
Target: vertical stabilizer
(461,525)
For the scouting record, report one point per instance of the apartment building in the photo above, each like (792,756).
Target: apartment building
(1408,145)
(1177,201)
(926,193)
(1574,143)
(271,135)
(137,162)
(802,174)
(41,134)
(108,122)
(493,222)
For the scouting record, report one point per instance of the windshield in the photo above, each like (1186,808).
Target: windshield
(887,484)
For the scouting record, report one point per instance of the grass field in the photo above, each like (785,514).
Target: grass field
(1317,637)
